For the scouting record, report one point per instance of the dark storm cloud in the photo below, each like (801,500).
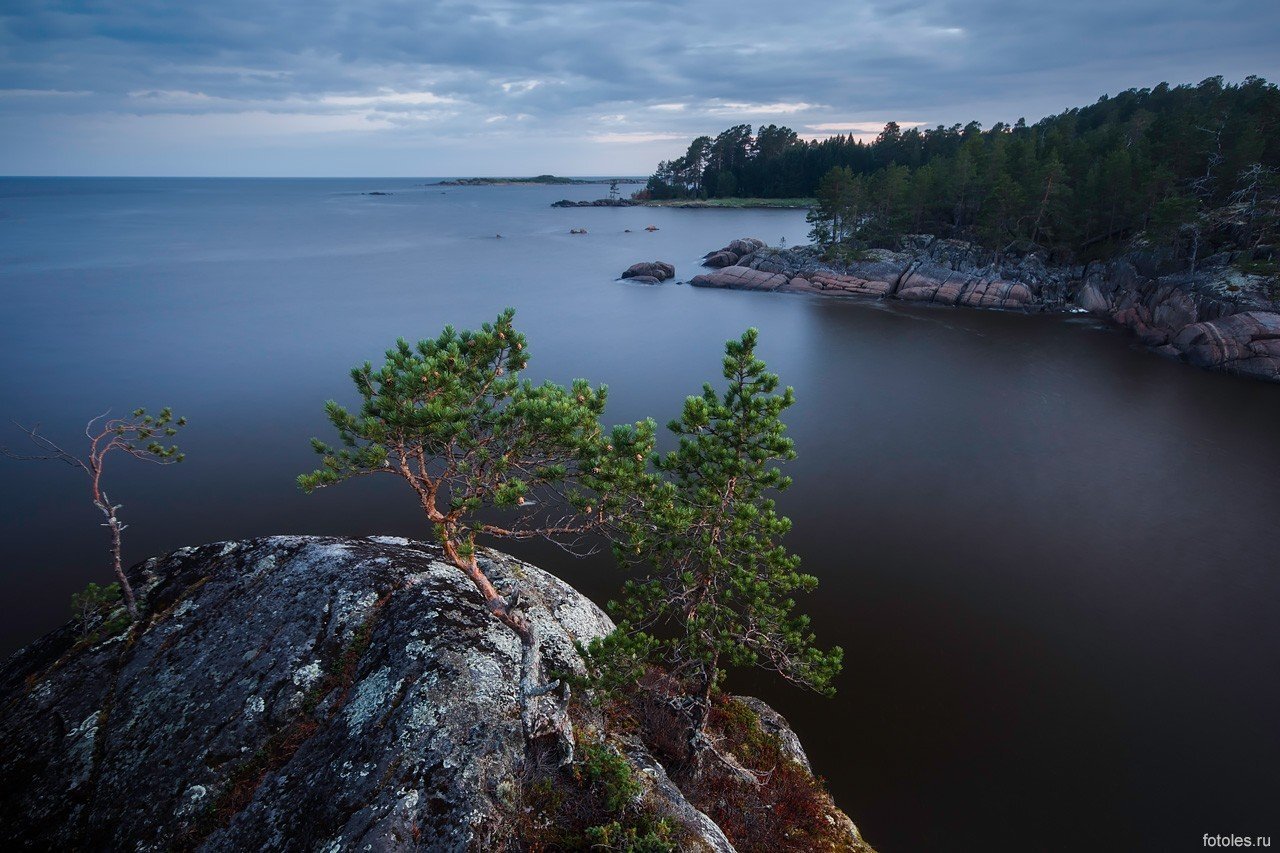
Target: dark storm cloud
(377,74)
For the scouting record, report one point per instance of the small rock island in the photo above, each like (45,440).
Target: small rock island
(651,272)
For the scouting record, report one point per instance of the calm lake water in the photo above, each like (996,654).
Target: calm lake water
(1049,556)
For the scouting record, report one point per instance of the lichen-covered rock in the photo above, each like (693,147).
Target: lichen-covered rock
(290,693)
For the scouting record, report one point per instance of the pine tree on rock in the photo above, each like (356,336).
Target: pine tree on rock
(451,417)
(720,588)
(138,435)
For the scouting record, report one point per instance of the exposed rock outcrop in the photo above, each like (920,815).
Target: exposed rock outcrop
(741,278)
(1248,344)
(301,693)
(599,202)
(736,253)
(1182,315)
(649,272)
(945,272)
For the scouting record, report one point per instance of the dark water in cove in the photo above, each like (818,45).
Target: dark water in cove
(1050,557)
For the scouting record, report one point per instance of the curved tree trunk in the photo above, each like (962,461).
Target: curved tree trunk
(113,523)
(543,715)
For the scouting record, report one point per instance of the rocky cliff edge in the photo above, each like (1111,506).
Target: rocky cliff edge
(304,693)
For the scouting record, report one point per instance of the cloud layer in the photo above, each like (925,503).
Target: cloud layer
(431,88)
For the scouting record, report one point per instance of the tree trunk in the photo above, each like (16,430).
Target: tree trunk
(1044,203)
(543,714)
(702,707)
(116,528)
(492,598)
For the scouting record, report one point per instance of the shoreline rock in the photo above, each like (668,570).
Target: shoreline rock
(537,179)
(736,253)
(600,202)
(1174,313)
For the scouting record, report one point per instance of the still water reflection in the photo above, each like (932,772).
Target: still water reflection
(1050,557)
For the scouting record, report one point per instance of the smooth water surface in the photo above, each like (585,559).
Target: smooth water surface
(1049,556)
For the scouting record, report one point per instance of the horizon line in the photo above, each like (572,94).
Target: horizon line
(337,177)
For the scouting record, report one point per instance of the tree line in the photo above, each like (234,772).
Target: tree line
(1190,165)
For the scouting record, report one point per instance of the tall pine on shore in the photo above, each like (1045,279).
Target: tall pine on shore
(719,586)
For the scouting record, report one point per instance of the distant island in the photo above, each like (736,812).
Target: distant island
(733,203)
(537,179)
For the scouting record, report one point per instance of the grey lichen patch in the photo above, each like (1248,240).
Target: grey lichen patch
(87,727)
(389,540)
(423,716)
(305,677)
(367,697)
(192,799)
(254,706)
(265,565)
(418,649)
(41,692)
(80,748)
(351,608)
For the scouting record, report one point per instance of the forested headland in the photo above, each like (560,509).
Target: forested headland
(1191,167)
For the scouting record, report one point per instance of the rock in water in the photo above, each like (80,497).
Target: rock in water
(658,270)
(292,693)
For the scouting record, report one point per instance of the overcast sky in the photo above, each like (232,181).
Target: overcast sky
(417,88)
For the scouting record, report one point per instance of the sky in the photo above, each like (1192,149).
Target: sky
(424,88)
